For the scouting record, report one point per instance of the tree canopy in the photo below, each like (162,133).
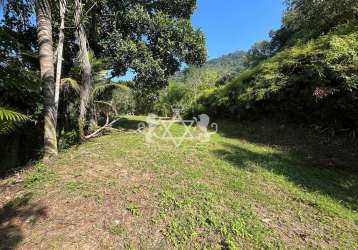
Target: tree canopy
(153,38)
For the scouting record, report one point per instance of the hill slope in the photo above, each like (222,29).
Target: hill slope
(224,65)
(313,82)
(233,62)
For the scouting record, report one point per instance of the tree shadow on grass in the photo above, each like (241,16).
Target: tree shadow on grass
(315,149)
(14,215)
(339,185)
(127,124)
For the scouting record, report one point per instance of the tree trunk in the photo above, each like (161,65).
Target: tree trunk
(44,36)
(85,68)
(59,54)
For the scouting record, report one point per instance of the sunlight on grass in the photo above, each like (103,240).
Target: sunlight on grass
(229,193)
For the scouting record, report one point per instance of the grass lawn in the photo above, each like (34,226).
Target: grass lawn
(251,187)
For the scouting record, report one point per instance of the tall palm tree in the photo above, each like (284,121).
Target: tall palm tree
(46,55)
(86,68)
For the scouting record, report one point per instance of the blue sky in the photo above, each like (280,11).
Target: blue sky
(231,25)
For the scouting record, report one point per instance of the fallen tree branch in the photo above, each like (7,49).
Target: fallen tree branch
(106,126)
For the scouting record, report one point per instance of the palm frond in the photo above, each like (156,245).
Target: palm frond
(70,83)
(103,103)
(7,127)
(11,116)
(105,107)
(9,120)
(101,88)
(99,75)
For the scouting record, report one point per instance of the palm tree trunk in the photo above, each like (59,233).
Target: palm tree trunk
(44,36)
(59,54)
(85,67)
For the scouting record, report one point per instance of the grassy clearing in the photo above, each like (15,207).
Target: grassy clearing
(237,192)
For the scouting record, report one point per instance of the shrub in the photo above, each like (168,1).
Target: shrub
(176,94)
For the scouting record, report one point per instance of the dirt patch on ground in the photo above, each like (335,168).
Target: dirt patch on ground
(93,206)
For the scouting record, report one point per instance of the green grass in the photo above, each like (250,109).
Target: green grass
(232,193)
(134,209)
(40,174)
(117,229)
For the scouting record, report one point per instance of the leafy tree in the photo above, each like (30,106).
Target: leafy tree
(306,19)
(19,81)
(187,85)
(20,84)
(153,38)
(258,52)
(201,78)
(123,101)
(176,94)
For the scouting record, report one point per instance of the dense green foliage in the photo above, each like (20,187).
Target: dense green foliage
(123,101)
(153,38)
(176,95)
(19,80)
(307,72)
(306,19)
(317,78)
(103,39)
(187,85)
